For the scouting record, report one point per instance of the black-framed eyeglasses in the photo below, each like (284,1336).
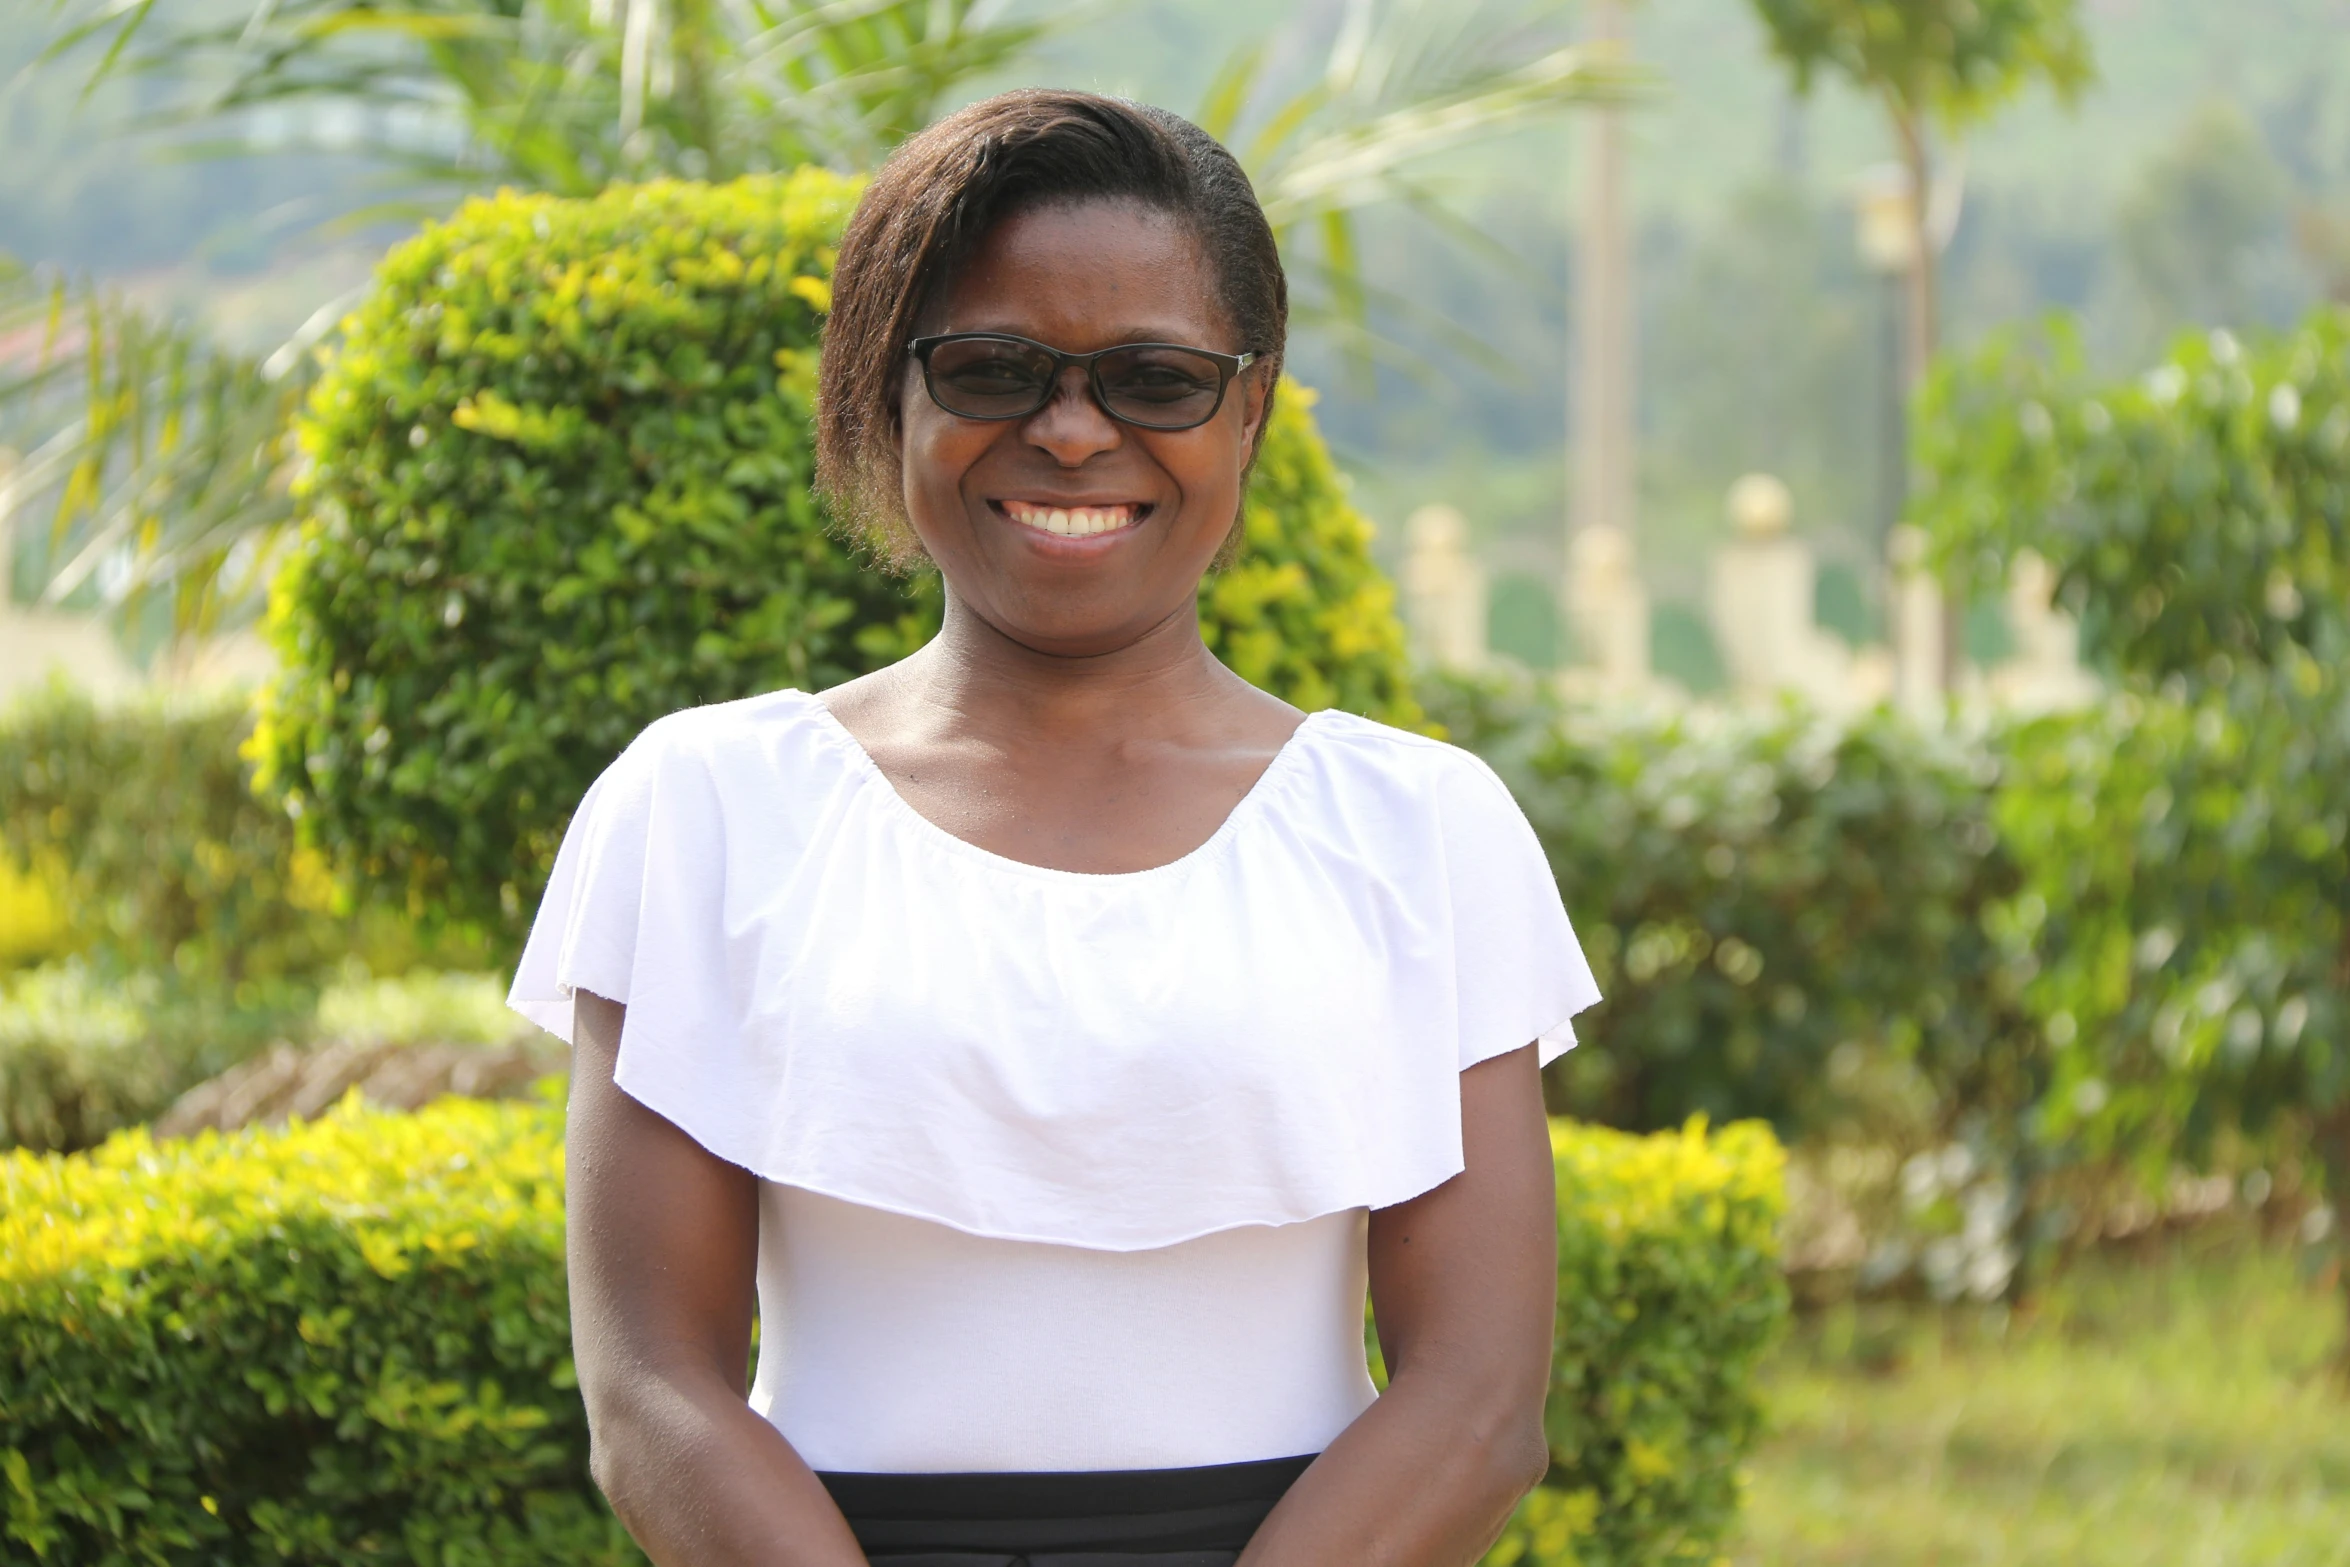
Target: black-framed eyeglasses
(994,375)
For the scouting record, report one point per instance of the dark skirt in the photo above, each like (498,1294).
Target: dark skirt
(1106,1518)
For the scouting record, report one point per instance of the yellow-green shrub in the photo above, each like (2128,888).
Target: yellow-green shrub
(343,1343)
(32,913)
(347,1343)
(1669,1295)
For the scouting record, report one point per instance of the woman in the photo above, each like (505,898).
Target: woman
(1052,1033)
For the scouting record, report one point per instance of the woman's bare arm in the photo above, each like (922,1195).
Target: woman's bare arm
(1464,1284)
(664,1241)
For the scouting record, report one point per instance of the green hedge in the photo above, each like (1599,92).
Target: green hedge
(1790,917)
(560,486)
(195,929)
(347,1343)
(343,1343)
(144,814)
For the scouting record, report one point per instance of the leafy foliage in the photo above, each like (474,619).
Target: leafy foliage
(562,487)
(345,1342)
(349,1341)
(32,914)
(2187,865)
(86,1051)
(1669,1295)
(2194,514)
(1305,612)
(2190,862)
(1954,60)
(1777,907)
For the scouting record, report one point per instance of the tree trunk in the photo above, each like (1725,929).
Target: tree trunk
(1923,335)
(1920,337)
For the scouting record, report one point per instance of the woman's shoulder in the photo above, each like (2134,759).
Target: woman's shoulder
(754,740)
(1364,755)
(719,728)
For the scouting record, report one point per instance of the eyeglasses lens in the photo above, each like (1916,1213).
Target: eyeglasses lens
(1165,388)
(988,378)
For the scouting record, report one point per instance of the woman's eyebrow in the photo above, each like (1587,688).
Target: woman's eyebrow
(1193,333)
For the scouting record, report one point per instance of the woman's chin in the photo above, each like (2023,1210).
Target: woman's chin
(1049,623)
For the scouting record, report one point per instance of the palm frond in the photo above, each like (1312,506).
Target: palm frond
(1402,83)
(160,459)
(567,95)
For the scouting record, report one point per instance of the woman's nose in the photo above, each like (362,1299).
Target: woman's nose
(1071,426)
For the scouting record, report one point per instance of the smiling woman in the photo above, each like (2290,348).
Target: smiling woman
(1052,1033)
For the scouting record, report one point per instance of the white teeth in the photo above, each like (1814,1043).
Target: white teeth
(1080,522)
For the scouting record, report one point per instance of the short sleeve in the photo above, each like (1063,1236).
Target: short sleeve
(629,865)
(1520,972)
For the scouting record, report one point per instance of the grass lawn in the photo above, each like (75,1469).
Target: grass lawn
(2176,1408)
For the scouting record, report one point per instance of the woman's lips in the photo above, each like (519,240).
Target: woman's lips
(1073,522)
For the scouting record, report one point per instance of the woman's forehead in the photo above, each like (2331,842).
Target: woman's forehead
(1086,274)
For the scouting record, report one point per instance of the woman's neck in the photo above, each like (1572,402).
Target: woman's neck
(972,676)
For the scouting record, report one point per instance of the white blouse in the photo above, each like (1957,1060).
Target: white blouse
(1062,1170)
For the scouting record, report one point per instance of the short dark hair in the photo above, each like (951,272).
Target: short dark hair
(936,199)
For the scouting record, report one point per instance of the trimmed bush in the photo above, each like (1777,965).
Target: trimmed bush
(560,487)
(343,1343)
(196,929)
(1789,917)
(1304,612)
(85,1053)
(347,1342)
(143,823)
(1669,1296)
(163,857)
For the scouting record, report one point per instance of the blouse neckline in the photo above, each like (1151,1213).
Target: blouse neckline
(873,778)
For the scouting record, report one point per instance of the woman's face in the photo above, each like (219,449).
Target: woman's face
(1079,276)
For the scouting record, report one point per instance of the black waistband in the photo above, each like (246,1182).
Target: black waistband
(1079,1518)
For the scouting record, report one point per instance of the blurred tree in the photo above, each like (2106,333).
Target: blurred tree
(566,95)
(1931,64)
(2190,848)
(2205,233)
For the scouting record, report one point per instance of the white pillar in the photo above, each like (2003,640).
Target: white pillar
(2045,675)
(1444,589)
(1602,436)
(1917,626)
(1764,591)
(1609,608)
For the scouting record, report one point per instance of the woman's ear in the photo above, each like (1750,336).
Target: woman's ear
(897,413)
(1256,404)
